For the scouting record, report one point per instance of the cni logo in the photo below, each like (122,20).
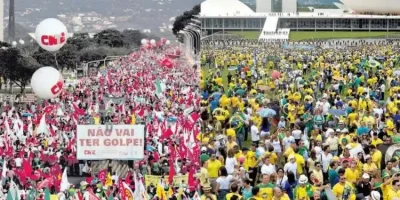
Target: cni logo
(50,40)
(89,152)
(57,87)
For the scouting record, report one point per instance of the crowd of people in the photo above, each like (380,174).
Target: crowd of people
(300,123)
(155,87)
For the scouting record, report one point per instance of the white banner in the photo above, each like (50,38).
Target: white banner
(119,142)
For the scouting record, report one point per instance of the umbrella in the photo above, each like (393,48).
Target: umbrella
(337,112)
(266,112)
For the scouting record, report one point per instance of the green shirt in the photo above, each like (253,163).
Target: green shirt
(396,139)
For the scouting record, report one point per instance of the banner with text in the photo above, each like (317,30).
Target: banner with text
(119,142)
(178,180)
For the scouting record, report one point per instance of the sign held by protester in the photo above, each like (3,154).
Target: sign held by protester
(120,142)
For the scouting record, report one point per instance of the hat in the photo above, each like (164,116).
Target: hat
(365,175)
(206,186)
(291,157)
(367,157)
(345,130)
(375,195)
(203,149)
(303,179)
(83,183)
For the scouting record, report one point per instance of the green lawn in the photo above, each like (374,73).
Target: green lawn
(306,35)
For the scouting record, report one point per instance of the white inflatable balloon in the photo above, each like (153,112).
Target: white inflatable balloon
(168,42)
(152,41)
(51,34)
(47,82)
(143,41)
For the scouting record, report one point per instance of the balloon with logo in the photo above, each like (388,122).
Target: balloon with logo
(51,34)
(47,82)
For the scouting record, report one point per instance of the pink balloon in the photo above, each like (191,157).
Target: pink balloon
(276,74)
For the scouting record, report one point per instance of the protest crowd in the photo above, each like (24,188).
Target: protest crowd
(300,120)
(154,87)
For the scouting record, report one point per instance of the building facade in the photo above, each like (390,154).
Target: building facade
(256,23)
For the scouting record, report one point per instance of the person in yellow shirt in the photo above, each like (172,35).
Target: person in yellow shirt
(279,194)
(369,167)
(352,174)
(299,161)
(213,166)
(392,192)
(375,140)
(234,192)
(376,156)
(344,189)
(207,192)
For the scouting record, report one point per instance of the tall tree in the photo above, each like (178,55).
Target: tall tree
(109,37)
(182,20)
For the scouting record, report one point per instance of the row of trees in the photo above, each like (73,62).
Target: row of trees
(17,64)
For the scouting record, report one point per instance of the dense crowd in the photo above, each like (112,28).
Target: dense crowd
(154,87)
(312,121)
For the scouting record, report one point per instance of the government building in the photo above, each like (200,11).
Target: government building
(276,18)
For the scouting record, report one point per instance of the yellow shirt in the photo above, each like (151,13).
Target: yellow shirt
(213,197)
(376,142)
(96,120)
(213,168)
(251,160)
(229,196)
(369,167)
(338,190)
(273,158)
(300,163)
(283,197)
(376,158)
(289,151)
(351,175)
(230,145)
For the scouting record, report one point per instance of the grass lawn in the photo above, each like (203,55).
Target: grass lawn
(306,35)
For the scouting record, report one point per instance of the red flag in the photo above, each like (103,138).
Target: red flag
(27,167)
(191,181)
(78,110)
(171,166)
(166,134)
(92,196)
(121,189)
(128,178)
(102,175)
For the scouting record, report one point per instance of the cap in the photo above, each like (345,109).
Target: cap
(291,157)
(303,179)
(365,175)
(375,195)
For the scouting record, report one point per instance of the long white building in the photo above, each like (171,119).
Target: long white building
(216,16)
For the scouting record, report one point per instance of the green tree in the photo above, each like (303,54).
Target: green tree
(109,37)
(182,20)
(80,41)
